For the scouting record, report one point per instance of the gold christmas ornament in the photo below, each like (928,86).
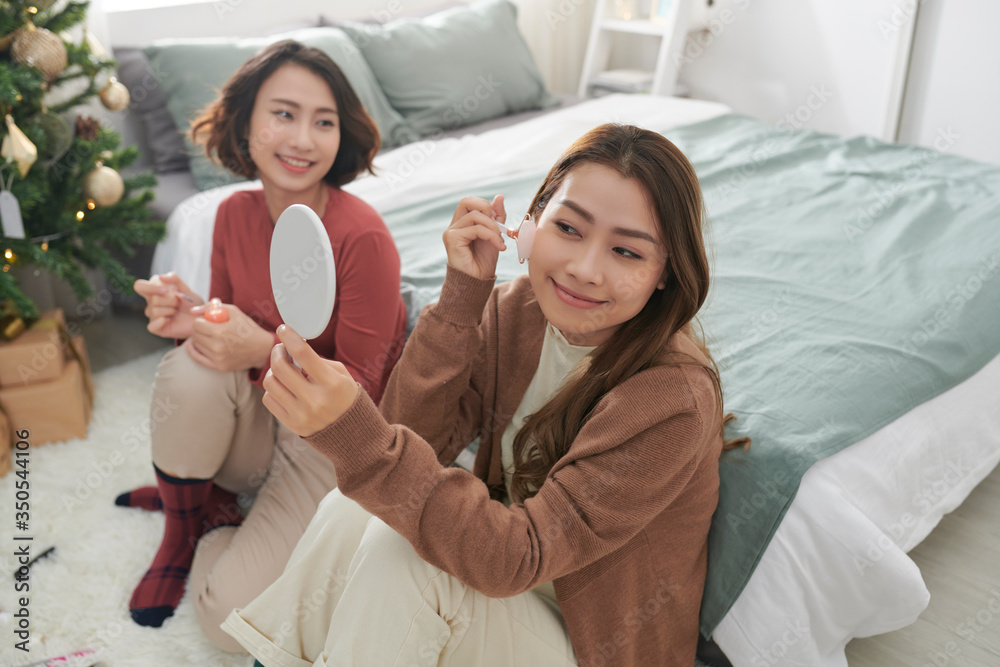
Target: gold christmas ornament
(39,48)
(114,96)
(18,147)
(104,185)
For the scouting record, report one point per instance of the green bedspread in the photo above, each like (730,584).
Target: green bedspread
(853,281)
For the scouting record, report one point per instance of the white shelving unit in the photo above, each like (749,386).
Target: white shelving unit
(672,31)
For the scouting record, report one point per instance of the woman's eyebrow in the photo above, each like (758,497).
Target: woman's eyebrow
(298,106)
(620,231)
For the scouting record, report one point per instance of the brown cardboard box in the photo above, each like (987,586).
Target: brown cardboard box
(37,355)
(6,455)
(55,410)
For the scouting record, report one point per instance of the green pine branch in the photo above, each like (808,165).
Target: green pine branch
(73,13)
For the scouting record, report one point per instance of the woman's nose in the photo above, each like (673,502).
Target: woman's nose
(586,265)
(302,137)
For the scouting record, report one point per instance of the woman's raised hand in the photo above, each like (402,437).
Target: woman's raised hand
(168,311)
(309,399)
(473,241)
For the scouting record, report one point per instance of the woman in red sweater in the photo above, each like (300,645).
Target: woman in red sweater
(581,535)
(289,117)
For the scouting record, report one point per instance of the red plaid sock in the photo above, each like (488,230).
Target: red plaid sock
(162,587)
(145,497)
(221,508)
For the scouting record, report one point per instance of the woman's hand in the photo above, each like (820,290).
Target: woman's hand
(310,399)
(168,311)
(473,240)
(236,345)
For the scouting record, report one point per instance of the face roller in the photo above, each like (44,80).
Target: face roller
(524,236)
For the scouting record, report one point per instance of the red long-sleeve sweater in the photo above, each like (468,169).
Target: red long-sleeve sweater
(367,330)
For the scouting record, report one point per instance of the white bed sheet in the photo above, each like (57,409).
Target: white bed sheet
(836,567)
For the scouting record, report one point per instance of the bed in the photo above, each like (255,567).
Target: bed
(854,318)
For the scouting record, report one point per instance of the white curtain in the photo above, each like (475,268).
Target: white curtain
(557,33)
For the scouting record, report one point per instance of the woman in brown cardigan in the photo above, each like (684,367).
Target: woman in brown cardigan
(580,537)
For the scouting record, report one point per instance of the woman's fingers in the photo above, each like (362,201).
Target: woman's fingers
(286,372)
(476,225)
(277,391)
(499,212)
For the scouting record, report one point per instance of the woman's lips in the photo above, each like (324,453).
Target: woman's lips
(574,299)
(295,165)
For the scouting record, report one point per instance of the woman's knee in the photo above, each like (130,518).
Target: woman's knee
(180,375)
(384,550)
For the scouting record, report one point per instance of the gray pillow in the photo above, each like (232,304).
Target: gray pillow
(192,71)
(159,137)
(458,67)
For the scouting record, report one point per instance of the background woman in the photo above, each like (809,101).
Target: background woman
(290,118)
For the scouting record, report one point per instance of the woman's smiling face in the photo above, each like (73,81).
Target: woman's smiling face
(294,132)
(597,255)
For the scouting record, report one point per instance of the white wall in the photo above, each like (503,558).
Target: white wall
(831,64)
(216,18)
(953,91)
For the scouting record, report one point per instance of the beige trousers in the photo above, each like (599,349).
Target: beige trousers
(220,430)
(355,592)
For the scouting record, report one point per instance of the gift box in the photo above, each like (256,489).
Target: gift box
(36,355)
(6,455)
(54,410)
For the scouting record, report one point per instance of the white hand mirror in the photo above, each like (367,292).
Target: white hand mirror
(303,278)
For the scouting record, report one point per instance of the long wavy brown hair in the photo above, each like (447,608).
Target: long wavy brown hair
(224,125)
(640,343)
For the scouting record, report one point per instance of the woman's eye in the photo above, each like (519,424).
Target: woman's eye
(566,229)
(627,254)
(327,123)
(282,114)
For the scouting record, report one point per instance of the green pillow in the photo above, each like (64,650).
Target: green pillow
(192,72)
(457,67)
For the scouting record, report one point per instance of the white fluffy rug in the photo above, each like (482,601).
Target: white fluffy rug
(79,593)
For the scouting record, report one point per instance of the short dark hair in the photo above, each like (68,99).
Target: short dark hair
(223,125)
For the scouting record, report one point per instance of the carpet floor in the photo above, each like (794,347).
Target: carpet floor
(79,594)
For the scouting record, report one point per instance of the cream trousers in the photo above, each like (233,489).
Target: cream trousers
(221,430)
(355,593)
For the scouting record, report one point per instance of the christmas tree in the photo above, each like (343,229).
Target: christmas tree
(64,205)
